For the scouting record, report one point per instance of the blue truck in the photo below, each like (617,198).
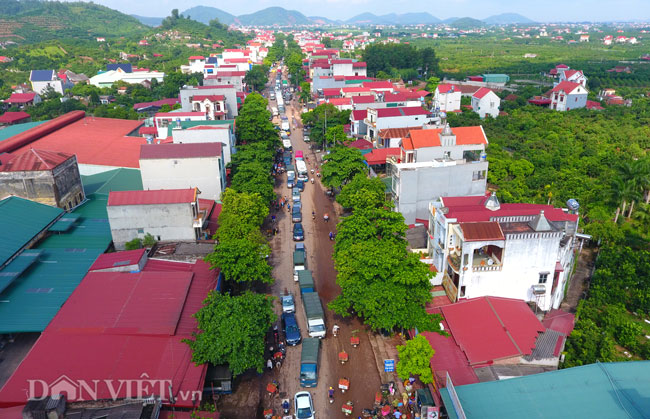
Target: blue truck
(309,362)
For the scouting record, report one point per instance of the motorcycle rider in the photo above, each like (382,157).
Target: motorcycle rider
(330,393)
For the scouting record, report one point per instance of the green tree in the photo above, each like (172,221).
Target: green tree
(415,359)
(363,192)
(335,135)
(253,122)
(341,166)
(241,213)
(257,77)
(432,83)
(305,92)
(243,258)
(232,331)
(253,178)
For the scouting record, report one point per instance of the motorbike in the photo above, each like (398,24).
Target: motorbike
(286,406)
(330,394)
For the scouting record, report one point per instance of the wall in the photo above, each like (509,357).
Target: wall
(228,92)
(172,222)
(417,187)
(487,105)
(448,102)
(205,173)
(68,187)
(223,136)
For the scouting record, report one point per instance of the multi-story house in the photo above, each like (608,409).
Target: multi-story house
(481,247)
(568,95)
(214,106)
(43,80)
(378,119)
(446,98)
(437,162)
(486,102)
(163,120)
(574,76)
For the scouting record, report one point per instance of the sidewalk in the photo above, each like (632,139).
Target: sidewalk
(385,348)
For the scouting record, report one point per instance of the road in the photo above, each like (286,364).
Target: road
(250,394)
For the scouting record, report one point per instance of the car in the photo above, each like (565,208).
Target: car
(297,205)
(306,138)
(291,329)
(300,185)
(303,405)
(298,232)
(295,194)
(288,304)
(300,246)
(296,215)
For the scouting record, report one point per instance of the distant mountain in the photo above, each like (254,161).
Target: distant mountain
(149,21)
(393,19)
(467,23)
(205,14)
(273,16)
(507,19)
(320,20)
(450,19)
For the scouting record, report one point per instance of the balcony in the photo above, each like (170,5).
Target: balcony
(484,262)
(198,222)
(454,262)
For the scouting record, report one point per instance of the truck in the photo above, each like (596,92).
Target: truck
(303,173)
(306,281)
(309,362)
(314,314)
(299,262)
(274,111)
(280,103)
(284,126)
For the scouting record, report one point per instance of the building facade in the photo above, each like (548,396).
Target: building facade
(486,102)
(568,95)
(446,98)
(383,118)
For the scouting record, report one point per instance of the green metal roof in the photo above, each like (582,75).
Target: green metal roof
(64,223)
(20,221)
(113,180)
(17,266)
(190,124)
(610,390)
(12,130)
(30,303)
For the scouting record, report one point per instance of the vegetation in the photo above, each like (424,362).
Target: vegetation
(257,77)
(321,119)
(400,60)
(381,281)
(415,358)
(341,166)
(232,330)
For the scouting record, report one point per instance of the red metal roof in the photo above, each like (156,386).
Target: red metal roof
(157,103)
(21,98)
(340,101)
(560,321)
(431,137)
(481,92)
(482,231)
(177,114)
(152,197)
(363,99)
(179,151)
(566,86)
(13,117)
(356,90)
(445,88)
(492,328)
(197,57)
(592,104)
(148,130)
(379,155)
(359,115)
(332,92)
(378,84)
(34,160)
(116,259)
(230,73)
(361,144)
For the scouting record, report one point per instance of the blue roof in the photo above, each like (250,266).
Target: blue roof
(211,60)
(12,130)
(126,67)
(41,75)
(609,390)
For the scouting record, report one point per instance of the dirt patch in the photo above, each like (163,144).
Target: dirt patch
(579,283)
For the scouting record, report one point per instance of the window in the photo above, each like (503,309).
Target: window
(478,175)
(140,231)
(447,155)
(543,277)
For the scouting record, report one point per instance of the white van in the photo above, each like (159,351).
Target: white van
(274,111)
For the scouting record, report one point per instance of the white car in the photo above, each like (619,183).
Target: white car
(288,305)
(303,405)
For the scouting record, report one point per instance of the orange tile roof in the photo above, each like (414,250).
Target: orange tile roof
(431,137)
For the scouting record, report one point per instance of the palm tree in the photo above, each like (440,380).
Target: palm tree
(642,216)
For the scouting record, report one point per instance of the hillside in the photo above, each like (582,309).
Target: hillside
(205,14)
(34,21)
(320,20)
(393,19)
(507,19)
(467,23)
(149,21)
(273,16)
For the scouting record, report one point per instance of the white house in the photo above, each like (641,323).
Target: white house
(42,80)
(378,119)
(207,132)
(568,95)
(107,78)
(574,76)
(179,166)
(162,120)
(196,64)
(437,162)
(226,77)
(446,98)
(348,67)
(486,102)
(228,91)
(168,215)
(214,106)
(481,247)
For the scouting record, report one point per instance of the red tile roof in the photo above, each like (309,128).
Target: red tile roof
(34,160)
(152,197)
(359,64)
(363,99)
(340,101)
(431,137)
(211,98)
(396,132)
(361,144)
(18,98)
(569,73)
(465,89)
(566,86)
(481,92)
(592,104)
(13,117)
(179,151)
(509,326)
(482,231)
(379,155)
(560,321)
(359,115)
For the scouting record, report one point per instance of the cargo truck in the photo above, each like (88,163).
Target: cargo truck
(299,262)
(314,314)
(309,362)
(306,281)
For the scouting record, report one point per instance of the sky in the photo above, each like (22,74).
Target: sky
(540,11)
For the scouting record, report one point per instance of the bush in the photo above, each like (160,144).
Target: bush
(134,244)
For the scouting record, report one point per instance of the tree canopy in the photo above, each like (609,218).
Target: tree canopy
(341,165)
(415,358)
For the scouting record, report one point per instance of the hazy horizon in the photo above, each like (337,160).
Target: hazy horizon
(549,11)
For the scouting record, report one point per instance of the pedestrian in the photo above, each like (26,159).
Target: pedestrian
(269,364)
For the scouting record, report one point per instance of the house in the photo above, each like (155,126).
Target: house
(358,125)
(437,162)
(226,77)
(382,118)
(608,390)
(608,40)
(214,106)
(482,247)
(108,78)
(151,108)
(179,166)
(44,80)
(196,65)
(568,95)
(11,118)
(446,98)
(47,177)
(230,92)
(584,38)
(392,137)
(486,102)
(555,72)
(168,215)
(125,67)
(162,120)
(200,132)
(574,76)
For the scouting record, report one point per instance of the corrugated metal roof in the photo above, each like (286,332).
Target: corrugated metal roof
(116,259)
(16,129)
(113,180)
(20,221)
(34,160)
(482,231)
(179,151)
(64,223)
(152,197)
(17,266)
(603,390)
